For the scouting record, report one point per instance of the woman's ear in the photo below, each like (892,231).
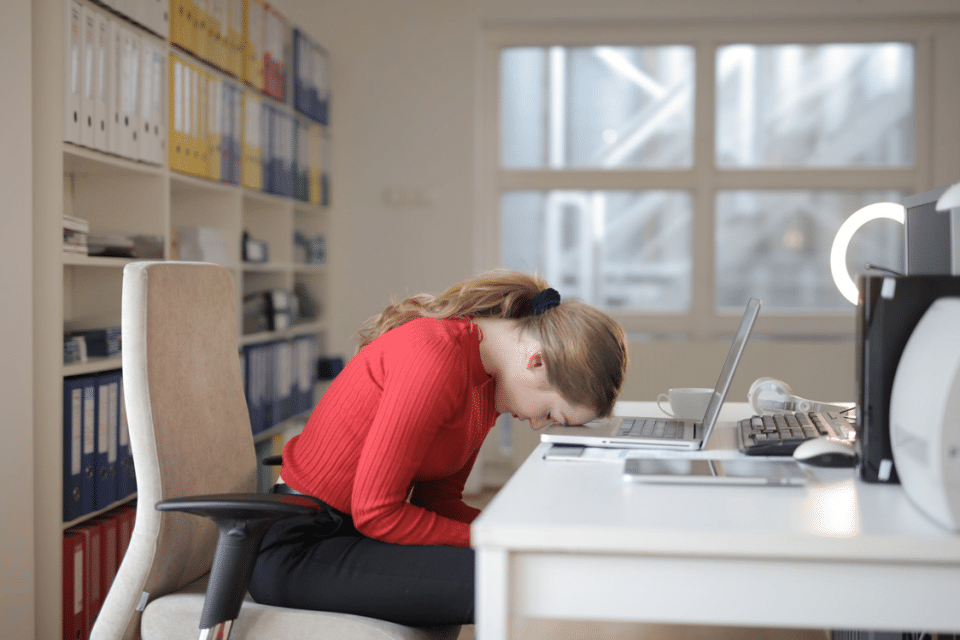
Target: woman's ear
(535,361)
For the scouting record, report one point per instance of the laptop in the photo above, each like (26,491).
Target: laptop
(639,432)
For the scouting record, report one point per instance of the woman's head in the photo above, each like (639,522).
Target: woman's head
(584,350)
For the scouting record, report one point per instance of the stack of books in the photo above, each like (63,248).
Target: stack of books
(79,346)
(75,235)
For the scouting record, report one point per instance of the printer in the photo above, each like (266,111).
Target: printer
(889,310)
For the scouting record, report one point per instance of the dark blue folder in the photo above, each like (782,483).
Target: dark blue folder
(72,448)
(88,446)
(108,419)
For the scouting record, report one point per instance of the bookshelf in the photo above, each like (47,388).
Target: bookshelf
(125,196)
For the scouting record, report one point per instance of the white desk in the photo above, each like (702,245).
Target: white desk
(573,540)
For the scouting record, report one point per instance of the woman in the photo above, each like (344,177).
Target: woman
(389,447)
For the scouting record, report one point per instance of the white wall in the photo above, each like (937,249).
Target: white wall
(405,121)
(16,341)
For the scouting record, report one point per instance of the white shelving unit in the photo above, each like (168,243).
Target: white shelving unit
(123,196)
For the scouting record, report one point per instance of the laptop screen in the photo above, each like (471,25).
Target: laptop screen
(730,366)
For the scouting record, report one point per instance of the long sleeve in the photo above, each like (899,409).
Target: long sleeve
(445,496)
(417,399)
(406,417)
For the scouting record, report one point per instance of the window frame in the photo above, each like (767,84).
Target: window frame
(935,164)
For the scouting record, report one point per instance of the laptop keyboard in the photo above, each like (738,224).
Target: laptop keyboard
(779,434)
(651,428)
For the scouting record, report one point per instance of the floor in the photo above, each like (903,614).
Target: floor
(581,630)
(536,629)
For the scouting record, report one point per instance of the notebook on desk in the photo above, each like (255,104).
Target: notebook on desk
(640,432)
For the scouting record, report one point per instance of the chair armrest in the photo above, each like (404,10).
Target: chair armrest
(242,506)
(242,520)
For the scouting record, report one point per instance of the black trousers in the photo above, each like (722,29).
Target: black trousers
(322,562)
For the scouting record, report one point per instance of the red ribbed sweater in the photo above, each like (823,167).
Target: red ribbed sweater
(394,438)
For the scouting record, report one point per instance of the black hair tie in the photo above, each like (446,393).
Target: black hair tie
(546,299)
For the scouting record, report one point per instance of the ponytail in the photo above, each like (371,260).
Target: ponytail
(495,294)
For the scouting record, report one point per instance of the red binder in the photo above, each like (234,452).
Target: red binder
(275,36)
(75,571)
(107,526)
(92,590)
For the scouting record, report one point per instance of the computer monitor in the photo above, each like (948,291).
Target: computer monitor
(931,237)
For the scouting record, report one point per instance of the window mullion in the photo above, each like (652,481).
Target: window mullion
(628,180)
(702,303)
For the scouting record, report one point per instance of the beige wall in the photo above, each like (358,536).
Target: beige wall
(16,341)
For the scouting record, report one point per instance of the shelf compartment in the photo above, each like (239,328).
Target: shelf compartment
(270,222)
(115,196)
(204,204)
(93,365)
(91,294)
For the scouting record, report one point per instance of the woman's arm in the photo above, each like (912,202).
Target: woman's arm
(445,496)
(421,391)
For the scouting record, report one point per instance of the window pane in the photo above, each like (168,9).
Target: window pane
(522,107)
(775,245)
(596,107)
(831,105)
(618,250)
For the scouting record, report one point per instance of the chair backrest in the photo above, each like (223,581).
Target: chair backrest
(189,426)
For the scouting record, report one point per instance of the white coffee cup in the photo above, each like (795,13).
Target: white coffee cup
(686,403)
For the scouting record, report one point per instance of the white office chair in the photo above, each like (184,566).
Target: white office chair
(190,436)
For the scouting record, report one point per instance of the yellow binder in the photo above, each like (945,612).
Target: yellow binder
(201,144)
(251,175)
(183,24)
(178,23)
(234,42)
(202,33)
(217,28)
(191,25)
(314,163)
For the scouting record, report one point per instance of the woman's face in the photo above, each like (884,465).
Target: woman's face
(526,394)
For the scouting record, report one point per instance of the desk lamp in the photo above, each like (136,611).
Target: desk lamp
(841,242)
(950,198)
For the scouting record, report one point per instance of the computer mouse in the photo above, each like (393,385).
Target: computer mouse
(826,452)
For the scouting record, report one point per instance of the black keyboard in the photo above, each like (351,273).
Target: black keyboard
(779,434)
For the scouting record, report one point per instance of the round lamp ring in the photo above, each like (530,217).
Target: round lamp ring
(841,242)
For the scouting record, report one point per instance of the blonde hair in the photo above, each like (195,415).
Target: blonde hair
(584,349)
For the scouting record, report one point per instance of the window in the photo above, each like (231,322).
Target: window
(597,107)
(667,177)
